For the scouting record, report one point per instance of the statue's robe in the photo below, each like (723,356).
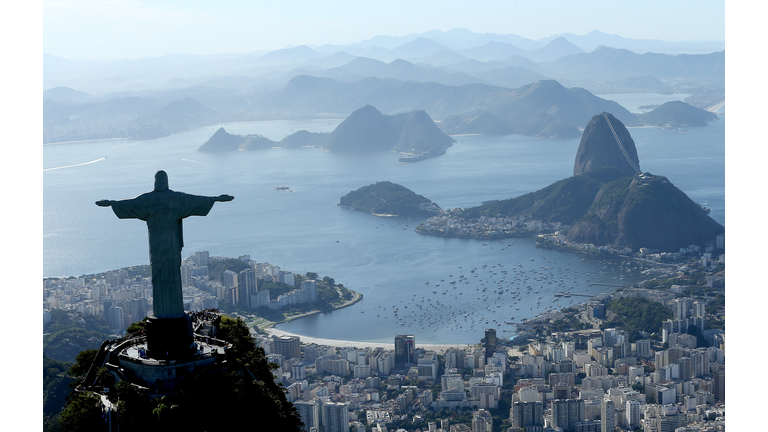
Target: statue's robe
(163,212)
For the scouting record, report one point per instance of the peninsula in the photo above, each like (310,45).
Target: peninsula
(608,203)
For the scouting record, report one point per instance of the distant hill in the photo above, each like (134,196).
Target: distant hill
(612,63)
(222,141)
(391,199)
(366,130)
(176,116)
(509,76)
(675,114)
(361,67)
(634,84)
(483,123)
(304,138)
(66,94)
(544,109)
(555,49)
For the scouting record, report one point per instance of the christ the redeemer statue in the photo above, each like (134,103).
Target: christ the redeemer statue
(163,210)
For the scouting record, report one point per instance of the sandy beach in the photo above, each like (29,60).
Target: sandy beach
(439,348)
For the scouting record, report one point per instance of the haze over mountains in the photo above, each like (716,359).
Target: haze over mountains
(454,73)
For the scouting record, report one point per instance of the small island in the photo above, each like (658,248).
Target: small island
(389,199)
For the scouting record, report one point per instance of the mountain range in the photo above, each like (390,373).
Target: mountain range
(480,78)
(544,108)
(430,49)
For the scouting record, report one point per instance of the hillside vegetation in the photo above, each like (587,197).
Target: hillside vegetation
(635,315)
(564,201)
(388,198)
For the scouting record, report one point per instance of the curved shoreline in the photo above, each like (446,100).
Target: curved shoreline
(358,344)
(272,331)
(356,298)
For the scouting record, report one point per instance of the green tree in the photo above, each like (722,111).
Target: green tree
(82,413)
(222,399)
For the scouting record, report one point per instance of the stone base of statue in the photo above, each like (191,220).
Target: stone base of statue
(170,338)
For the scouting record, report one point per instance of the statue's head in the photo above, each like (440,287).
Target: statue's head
(161,181)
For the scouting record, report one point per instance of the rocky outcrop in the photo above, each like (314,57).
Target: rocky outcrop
(365,130)
(368,130)
(598,147)
(223,141)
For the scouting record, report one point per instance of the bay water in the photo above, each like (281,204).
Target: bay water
(304,230)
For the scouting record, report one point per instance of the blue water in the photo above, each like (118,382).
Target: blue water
(382,258)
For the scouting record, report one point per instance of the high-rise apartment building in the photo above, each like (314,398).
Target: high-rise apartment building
(336,417)
(309,288)
(405,351)
(202,258)
(633,414)
(288,346)
(482,421)
(526,414)
(309,411)
(566,412)
(247,287)
(607,415)
(643,348)
(490,342)
(680,308)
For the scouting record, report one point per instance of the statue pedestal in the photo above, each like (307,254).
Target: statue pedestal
(169,338)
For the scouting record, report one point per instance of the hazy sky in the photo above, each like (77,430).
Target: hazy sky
(94,29)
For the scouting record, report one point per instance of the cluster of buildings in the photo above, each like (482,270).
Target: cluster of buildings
(123,300)
(337,388)
(588,380)
(583,381)
(557,239)
(242,289)
(451,223)
(120,299)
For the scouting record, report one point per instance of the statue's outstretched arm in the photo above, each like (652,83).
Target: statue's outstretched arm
(104,203)
(224,198)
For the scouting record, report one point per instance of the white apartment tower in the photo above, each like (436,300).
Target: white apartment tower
(309,288)
(309,411)
(607,416)
(336,417)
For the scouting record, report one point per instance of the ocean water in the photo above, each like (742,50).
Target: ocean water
(384,259)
